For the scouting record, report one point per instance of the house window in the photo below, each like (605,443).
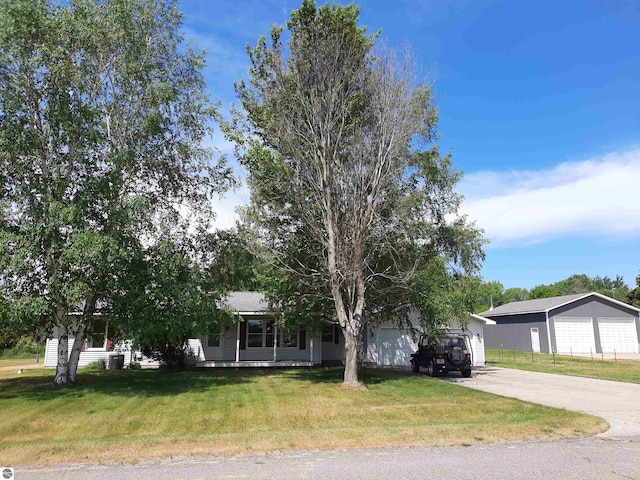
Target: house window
(260,333)
(213,340)
(255,332)
(287,339)
(327,334)
(97,334)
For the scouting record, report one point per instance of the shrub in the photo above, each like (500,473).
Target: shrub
(24,347)
(172,356)
(26,344)
(134,366)
(99,364)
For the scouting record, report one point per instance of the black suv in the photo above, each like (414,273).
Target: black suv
(451,354)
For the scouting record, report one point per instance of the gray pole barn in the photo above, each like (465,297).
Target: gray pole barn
(580,323)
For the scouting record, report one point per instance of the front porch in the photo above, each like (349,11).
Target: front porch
(253,364)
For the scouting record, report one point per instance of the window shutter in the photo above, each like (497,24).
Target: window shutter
(243,335)
(111,333)
(303,340)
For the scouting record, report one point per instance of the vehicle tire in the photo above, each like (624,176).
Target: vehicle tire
(430,369)
(466,373)
(415,368)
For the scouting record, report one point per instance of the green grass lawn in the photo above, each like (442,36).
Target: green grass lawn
(133,415)
(620,370)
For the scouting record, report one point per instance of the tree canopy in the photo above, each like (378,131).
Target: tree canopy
(353,206)
(633,297)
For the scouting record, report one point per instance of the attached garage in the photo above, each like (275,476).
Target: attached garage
(388,345)
(618,335)
(394,347)
(574,335)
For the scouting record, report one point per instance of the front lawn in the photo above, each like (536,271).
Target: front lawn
(620,370)
(12,362)
(133,415)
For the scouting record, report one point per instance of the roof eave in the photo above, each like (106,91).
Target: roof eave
(599,295)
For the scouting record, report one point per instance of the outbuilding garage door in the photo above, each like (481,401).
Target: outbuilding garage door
(394,347)
(618,334)
(574,335)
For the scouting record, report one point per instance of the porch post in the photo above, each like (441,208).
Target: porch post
(275,343)
(311,346)
(238,341)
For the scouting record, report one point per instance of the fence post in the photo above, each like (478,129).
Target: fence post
(615,357)
(571,350)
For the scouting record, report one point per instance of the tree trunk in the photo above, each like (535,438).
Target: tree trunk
(62,367)
(74,357)
(351,358)
(87,316)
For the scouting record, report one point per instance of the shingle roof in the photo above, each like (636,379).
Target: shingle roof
(536,306)
(245,302)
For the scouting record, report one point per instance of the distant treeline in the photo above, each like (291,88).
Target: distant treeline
(579,283)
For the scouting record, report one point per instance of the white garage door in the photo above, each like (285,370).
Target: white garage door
(574,335)
(394,347)
(618,334)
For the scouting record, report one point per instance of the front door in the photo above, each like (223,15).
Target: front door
(535,340)
(213,346)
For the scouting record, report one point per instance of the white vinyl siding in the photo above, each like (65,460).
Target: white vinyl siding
(394,347)
(87,356)
(475,330)
(477,350)
(574,335)
(618,334)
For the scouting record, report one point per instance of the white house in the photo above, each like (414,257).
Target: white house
(256,341)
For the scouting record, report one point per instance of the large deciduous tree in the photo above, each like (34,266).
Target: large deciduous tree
(350,196)
(102,114)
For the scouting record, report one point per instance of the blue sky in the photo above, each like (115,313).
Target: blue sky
(539,105)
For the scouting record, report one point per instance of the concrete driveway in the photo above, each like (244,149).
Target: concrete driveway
(617,402)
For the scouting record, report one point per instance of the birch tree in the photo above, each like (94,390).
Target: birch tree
(350,195)
(102,114)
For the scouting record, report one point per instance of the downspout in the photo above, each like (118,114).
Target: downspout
(548,332)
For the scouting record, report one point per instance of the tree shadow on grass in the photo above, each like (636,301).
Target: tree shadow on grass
(335,375)
(161,383)
(126,383)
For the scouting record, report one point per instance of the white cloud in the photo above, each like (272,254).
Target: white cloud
(595,197)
